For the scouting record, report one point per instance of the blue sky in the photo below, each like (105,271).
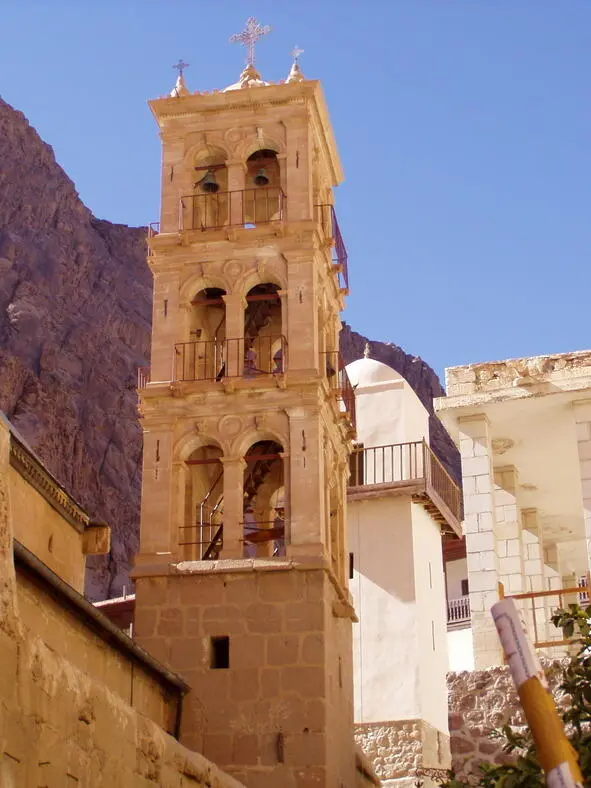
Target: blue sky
(464,127)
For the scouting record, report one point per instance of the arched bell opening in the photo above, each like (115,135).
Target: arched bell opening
(264,345)
(264,500)
(263,196)
(201,534)
(201,355)
(210,203)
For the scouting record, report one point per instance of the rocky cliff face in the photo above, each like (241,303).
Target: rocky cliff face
(75,310)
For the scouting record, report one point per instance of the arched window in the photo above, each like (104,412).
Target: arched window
(201,533)
(264,344)
(209,206)
(264,500)
(201,355)
(263,200)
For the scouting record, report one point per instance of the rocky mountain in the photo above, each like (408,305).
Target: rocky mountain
(75,310)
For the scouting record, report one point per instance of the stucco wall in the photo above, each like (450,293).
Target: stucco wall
(431,618)
(460,649)
(455,572)
(479,702)
(389,413)
(383,589)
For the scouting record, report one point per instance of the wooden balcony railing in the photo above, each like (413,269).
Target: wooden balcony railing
(458,611)
(243,208)
(536,609)
(326,216)
(406,463)
(334,370)
(230,358)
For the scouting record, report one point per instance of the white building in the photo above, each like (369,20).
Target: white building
(400,499)
(523,427)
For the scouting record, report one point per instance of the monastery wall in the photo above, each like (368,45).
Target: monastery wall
(480,701)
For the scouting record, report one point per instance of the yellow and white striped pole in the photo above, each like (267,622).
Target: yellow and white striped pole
(555,753)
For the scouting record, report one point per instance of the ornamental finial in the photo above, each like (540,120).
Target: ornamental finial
(366,350)
(180,88)
(249,36)
(295,74)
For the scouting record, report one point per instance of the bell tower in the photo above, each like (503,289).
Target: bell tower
(241,576)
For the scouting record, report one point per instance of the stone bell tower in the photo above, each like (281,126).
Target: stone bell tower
(241,579)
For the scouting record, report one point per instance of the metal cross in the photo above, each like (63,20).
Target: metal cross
(249,36)
(181,66)
(295,53)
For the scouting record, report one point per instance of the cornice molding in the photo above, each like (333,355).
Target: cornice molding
(32,471)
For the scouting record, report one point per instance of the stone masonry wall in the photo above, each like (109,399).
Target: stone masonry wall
(397,749)
(480,701)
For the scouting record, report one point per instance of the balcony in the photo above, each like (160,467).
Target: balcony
(408,468)
(216,360)
(143,377)
(339,384)
(245,208)
(326,216)
(458,612)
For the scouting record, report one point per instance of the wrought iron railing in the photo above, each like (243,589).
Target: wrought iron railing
(143,377)
(326,216)
(242,208)
(458,610)
(333,368)
(406,462)
(230,358)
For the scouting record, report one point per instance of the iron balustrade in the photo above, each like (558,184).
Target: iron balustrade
(458,610)
(230,358)
(243,208)
(333,369)
(327,218)
(399,463)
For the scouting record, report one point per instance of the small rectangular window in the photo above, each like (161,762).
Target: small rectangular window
(465,589)
(220,653)
(351,565)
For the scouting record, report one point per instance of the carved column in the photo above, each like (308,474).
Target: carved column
(236,169)
(235,306)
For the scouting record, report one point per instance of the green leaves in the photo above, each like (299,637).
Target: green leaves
(525,771)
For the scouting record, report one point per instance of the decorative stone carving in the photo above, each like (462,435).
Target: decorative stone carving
(502,445)
(230,426)
(232,270)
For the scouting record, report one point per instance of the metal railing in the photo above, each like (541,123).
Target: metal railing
(406,462)
(458,610)
(243,208)
(326,216)
(230,358)
(263,532)
(333,368)
(143,377)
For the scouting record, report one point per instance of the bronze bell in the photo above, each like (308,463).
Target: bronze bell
(261,178)
(209,183)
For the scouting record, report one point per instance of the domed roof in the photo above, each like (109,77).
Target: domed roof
(368,371)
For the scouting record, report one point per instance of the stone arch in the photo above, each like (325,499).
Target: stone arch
(255,435)
(252,144)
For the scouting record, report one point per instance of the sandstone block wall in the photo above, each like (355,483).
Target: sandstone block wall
(480,701)
(61,728)
(279,711)
(397,749)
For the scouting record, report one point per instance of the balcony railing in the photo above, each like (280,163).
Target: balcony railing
(230,358)
(404,463)
(143,377)
(333,368)
(243,208)
(536,608)
(458,610)
(325,214)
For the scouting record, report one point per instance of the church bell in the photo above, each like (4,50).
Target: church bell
(209,183)
(261,179)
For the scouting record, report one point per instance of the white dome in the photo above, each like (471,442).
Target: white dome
(368,371)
